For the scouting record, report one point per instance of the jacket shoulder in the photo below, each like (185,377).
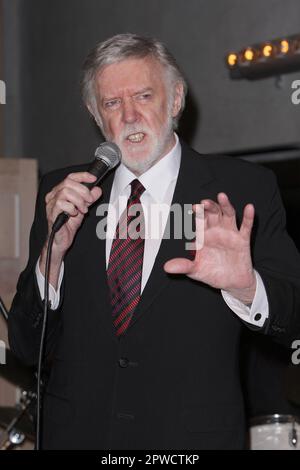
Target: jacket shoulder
(233,169)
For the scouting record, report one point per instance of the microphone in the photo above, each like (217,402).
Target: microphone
(107,156)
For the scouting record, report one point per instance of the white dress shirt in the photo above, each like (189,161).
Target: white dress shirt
(161,196)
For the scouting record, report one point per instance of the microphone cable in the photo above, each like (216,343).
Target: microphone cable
(42,342)
(107,157)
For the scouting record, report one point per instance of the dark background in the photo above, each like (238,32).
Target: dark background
(44,42)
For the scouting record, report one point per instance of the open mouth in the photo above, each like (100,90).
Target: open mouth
(136,138)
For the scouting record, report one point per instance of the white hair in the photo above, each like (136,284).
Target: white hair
(122,47)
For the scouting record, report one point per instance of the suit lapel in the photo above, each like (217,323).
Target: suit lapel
(195,182)
(96,259)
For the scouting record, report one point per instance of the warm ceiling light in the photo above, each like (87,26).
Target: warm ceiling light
(249,54)
(272,57)
(267,50)
(284,46)
(232,59)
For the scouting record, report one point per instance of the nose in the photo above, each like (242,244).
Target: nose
(130,114)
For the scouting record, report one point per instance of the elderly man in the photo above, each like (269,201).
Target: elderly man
(143,337)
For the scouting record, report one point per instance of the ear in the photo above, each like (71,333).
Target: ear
(177,99)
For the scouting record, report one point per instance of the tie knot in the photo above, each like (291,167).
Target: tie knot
(137,189)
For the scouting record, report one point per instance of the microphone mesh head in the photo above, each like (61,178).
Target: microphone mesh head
(110,153)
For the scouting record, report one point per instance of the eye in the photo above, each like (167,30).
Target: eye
(111,103)
(144,96)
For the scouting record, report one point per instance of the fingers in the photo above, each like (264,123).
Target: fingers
(179,266)
(82,177)
(71,196)
(200,226)
(247,222)
(53,209)
(228,211)
(96,192)
(212,213)
(222,206)
(223,213)
(73,181)
(226,207)
(218,212)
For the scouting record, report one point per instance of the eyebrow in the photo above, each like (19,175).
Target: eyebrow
(143,90)
(139,92)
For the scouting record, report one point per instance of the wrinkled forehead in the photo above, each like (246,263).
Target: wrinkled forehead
(130,74)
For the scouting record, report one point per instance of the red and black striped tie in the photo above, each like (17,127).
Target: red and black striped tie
(124,272)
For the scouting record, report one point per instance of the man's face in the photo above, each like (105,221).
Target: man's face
(137,110)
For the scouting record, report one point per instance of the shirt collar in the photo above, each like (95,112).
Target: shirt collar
(155,180)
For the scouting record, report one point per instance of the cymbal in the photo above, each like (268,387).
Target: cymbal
(24,425)
(16,373)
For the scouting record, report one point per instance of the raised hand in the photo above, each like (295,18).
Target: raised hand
(224,261)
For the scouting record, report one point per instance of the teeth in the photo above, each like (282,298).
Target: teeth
(136,137)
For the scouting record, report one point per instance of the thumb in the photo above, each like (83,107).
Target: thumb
(179,266)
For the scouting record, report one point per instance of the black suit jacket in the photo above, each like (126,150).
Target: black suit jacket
(172,381)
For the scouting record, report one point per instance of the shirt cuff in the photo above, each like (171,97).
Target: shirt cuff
(54,296)
(258,312)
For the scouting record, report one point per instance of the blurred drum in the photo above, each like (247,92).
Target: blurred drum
(16,428)
(15,440)
(275,432)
